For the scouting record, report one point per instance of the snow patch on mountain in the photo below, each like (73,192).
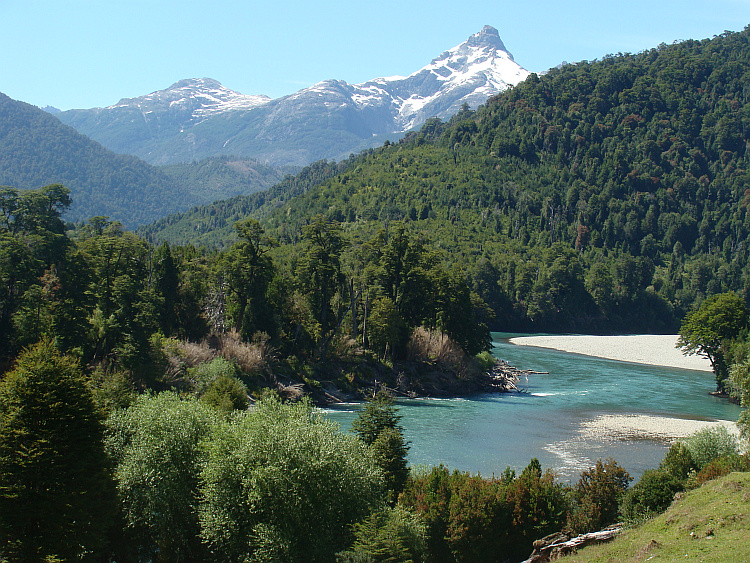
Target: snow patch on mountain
(471,72)
(201,97)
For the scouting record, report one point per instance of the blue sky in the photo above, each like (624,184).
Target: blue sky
(85,53)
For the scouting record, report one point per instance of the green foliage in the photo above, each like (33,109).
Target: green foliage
(155,446)
(282,483)
(678,461)
(206,373)
(320,277)
(739,379)
(247,271)
(222,177)
(708,330)
(212,225)
(377,425)
(486,360)
(652,494)
(378,414)
(721,466)
(35,146)
(469,518)
(389,535)
(709,444)
(56,493)
(598,495)
(386,330)
(226,394)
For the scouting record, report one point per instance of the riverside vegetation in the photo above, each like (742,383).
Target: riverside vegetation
(608,195)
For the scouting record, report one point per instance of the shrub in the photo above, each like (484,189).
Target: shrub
(282,483)
(227,394)
(598,495)
(155,447)
(391,534)
(651,495)
(204,375)
(435,346)
(722,466)
(711,443)
(251,358)
(678,461)
(486,360)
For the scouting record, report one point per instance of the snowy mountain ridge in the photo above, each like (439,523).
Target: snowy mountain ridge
(200,96)
(199,117)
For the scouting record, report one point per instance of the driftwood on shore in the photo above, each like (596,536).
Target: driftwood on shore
(504,378)
(558,545)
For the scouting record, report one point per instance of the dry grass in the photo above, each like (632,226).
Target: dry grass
(194,354)
(251,358)
(434,346)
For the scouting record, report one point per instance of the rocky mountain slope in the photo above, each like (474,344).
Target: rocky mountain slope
(197,118)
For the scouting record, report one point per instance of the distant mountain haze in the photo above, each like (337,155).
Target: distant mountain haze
(198,118)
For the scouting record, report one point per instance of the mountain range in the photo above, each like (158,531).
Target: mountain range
(198,118)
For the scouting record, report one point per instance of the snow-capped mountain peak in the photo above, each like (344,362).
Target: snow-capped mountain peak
(199,117)
(470,73)
(200,97)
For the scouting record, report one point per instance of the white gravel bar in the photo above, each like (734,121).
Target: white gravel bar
(641,426)
(652,349)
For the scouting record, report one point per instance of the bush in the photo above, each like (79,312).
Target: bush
(155,447)
(205,374)
(722,466)
(486,360)
(598,495)
(651,495)
(282,483)
(678,461)
(226,393)
(711,443)
(391,534)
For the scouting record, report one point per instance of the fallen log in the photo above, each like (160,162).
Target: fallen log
(555,546)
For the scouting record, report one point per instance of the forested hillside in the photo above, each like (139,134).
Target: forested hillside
(36,150)
(212,225)
(606,195)
(223,177)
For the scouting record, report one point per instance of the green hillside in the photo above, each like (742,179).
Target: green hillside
(708,524)
(223,177)
(211,225)
(37,150)
(605,195)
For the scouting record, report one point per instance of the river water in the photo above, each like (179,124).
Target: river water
(487,433)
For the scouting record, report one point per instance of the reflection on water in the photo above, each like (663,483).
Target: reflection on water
(488,433)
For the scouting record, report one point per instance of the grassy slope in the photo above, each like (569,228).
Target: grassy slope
(708,524)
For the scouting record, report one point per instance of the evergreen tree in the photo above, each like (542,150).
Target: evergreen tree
(56,493)
(378,426)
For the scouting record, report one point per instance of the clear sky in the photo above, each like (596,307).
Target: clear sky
(86,53)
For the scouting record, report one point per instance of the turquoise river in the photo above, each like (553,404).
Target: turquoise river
(487,433)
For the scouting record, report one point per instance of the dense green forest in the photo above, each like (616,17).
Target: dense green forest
(222,177)
(212,225)
(37,150)
(603,196)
